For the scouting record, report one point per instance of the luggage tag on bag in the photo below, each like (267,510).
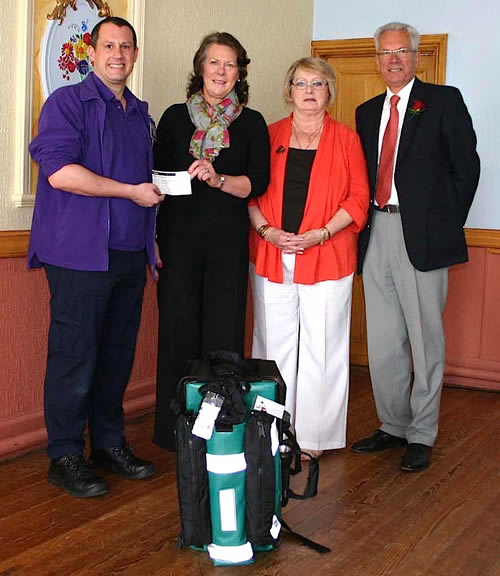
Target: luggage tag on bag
(209,410)
(275,527)
(273,408)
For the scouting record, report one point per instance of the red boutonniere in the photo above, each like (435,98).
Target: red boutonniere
(416,108)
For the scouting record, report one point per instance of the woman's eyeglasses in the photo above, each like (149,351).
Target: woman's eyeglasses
(315,84)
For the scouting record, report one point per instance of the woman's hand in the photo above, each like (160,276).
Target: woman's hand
(204,171)
(310,238)
(287,242)
(294,243)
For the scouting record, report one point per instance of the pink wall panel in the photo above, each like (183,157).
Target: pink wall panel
(24,316)
(490,341)
(23,337)
(464,307)
(472,321)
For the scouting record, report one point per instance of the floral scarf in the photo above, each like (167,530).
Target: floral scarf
(211,134)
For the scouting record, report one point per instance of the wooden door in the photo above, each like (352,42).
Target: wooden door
(357,81)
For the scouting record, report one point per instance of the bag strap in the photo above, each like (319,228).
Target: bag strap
(305,541)
(311,488)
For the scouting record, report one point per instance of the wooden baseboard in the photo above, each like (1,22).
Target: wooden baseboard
(483,238)
(473,383)
(14,243)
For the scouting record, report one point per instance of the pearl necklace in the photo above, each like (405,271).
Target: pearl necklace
(309,137)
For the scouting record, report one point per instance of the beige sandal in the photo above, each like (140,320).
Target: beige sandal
(308,454)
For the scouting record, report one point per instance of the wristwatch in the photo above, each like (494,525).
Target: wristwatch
(222,180)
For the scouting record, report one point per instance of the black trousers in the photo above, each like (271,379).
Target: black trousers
(94,319)
(202,293)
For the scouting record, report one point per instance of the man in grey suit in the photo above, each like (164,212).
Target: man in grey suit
(420,148)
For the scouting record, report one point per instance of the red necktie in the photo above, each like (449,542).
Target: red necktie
(386,165)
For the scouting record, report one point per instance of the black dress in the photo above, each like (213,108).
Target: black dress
(203,241)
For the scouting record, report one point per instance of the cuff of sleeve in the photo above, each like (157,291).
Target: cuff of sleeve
(358,216)
(52,165)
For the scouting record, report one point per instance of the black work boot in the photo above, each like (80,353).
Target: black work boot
(72,473)
(123,462)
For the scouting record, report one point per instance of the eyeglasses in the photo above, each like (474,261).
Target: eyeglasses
(398,52)
(315,84)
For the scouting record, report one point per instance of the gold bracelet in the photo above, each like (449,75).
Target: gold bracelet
(324,235)
(262,230)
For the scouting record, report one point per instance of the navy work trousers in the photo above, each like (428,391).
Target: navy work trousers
(94,319)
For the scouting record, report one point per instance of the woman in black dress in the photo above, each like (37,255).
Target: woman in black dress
(203,237)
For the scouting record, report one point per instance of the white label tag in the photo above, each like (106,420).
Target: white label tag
(275,528)
(269,406)
(227,504)
(209,410)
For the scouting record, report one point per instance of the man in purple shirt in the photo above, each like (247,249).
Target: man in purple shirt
(93,232)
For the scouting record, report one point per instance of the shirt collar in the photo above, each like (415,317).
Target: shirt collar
(107,95)
(404,93)
(103,91)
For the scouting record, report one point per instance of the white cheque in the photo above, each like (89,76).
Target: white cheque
(173,183)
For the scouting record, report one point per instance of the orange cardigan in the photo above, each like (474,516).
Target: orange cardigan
(338,180)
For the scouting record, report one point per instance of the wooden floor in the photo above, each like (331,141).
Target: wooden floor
(377,520)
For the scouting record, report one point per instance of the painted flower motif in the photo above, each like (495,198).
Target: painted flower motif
(83,67)
(74,53)
(67,49)
(416,108)
(81,50)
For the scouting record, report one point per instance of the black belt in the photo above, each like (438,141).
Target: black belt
(389,208)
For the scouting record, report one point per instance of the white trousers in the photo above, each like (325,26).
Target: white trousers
(305,330)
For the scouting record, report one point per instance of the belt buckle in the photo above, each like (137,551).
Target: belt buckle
(389,208)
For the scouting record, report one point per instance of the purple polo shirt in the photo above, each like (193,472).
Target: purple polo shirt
(78,125)
(127,164)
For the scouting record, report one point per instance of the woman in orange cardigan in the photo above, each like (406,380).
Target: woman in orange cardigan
(303,255)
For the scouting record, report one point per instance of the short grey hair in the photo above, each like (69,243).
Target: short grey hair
(397,26)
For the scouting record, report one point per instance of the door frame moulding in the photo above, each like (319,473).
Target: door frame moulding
(430,44)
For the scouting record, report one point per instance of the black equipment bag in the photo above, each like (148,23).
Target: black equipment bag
(192,476)
(270,459)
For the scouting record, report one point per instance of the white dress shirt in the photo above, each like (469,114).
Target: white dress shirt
(404,95)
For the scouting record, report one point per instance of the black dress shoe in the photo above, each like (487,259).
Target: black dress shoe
(72,473)
(123,462)
(379,441)
(417,458)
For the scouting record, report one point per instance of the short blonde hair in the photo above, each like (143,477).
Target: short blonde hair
(318,65)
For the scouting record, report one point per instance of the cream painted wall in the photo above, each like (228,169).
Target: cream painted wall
(11,218)
(274,33)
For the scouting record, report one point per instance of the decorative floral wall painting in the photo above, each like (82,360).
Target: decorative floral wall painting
(64,49)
